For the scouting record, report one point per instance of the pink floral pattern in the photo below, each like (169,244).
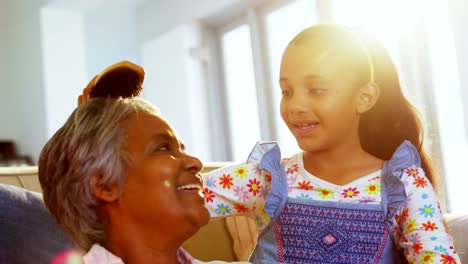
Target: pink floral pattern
(350,192)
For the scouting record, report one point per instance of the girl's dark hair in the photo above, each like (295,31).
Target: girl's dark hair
(393,118)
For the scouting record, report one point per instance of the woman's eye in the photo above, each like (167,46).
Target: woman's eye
(160,148)
(164,148)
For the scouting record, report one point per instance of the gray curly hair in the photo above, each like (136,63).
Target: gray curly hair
(89,143)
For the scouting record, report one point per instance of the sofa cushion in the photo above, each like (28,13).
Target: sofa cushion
(28,233)
(458,228)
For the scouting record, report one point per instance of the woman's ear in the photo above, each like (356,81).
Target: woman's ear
(105,193)
(367,97)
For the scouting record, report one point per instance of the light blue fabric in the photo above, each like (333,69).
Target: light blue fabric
(28,233)
(279,186)
(393,197)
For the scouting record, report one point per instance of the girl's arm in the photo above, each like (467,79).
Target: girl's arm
(420,230)
(239,189)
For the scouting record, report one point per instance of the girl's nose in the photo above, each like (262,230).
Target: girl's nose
(298,103)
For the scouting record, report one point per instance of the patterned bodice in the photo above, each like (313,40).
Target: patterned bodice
(354,223)
(318,232)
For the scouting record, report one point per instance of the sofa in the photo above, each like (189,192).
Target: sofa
(28,233)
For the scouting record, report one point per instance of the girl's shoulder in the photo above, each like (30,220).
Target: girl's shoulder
(414,179)
(294,159)
(405,156)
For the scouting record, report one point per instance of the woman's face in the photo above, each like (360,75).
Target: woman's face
(318,99)
(162,183)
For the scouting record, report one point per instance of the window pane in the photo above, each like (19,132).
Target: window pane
(380,21)
(401,39)
(240,91)
(449,105)
(281,26)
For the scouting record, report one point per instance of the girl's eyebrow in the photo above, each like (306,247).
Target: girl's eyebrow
(310,76)
(313,77)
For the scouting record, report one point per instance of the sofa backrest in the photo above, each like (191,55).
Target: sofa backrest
(23,219)
(28,234)
(211,242)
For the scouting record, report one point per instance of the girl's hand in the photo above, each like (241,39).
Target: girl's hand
(119,65)
(87,90)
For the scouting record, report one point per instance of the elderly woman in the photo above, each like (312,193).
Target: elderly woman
(116,177)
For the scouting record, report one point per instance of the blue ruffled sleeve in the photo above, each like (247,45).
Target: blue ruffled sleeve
(414,213)
(277,197)
(404,157)
(242,189)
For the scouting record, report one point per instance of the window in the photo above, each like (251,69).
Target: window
(419,42)
(281,25)
(421,35)
(449,105)
(240,91)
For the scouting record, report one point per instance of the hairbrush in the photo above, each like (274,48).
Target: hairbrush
(122,79)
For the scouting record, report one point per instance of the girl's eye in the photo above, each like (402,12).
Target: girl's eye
(285,93)
(317,91)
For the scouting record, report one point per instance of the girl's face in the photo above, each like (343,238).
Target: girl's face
(318,97)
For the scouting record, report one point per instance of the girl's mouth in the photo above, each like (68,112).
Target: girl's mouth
(304,128)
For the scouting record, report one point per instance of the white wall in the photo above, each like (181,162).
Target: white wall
(110,36)
(8,128)
(173,83)
(23,111)
(157,17)
(64,63)
(27,81)
(78,44)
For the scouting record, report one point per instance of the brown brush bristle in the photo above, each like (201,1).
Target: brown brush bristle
(117,83)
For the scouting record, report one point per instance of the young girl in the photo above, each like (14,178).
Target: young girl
(360,192)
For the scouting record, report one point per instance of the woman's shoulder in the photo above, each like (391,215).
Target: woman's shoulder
(99,255)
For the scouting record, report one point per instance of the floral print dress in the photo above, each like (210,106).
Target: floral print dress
(417,226)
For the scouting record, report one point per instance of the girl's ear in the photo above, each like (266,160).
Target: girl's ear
(367,97)
(104,193)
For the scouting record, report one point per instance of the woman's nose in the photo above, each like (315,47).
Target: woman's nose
(193,164)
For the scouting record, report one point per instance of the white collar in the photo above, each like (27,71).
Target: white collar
(100,255)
